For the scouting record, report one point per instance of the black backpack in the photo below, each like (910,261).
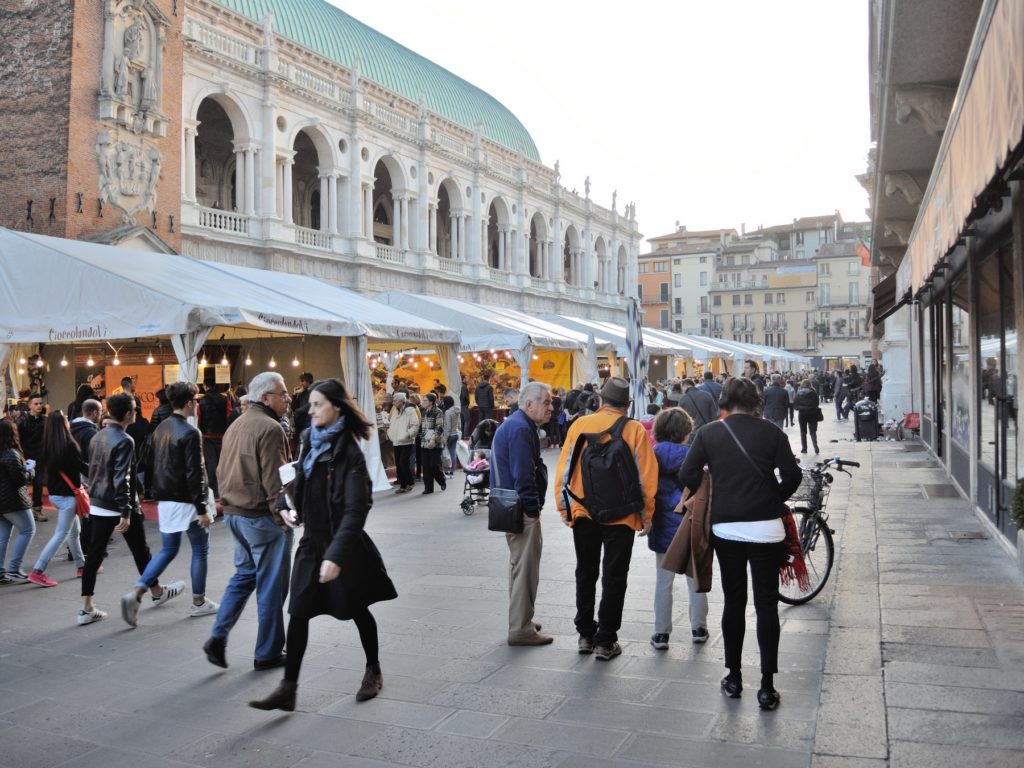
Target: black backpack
(611,479)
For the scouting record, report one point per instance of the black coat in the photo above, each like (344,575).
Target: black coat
(333,504)
(15,478)
(776,402)
(806,403)
(484,395)
(738,492)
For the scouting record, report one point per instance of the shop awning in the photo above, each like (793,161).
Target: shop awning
(654,343)
(885,303)
(985,126)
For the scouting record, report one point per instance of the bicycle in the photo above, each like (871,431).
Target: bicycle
(808,504)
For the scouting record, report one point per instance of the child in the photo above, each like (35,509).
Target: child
(672,428)
(479,464)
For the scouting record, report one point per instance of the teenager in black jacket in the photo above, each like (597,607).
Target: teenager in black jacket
(742,453)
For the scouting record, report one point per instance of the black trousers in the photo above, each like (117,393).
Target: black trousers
(765,561)
(211,457)
(589,539)
(808,421)
(100,531)
(37,487)
(402,468)
(431,458)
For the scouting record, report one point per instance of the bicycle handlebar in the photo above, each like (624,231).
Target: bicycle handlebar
(838,463)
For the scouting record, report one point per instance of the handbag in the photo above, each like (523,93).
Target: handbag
(81,496)
(430,439)
(504,509)
(818,415)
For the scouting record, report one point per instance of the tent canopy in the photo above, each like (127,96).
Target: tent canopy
(655,344)
(155,294)
(485,328)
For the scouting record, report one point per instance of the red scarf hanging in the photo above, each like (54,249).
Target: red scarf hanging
(793,565)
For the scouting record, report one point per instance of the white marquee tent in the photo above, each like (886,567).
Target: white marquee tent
(106,293)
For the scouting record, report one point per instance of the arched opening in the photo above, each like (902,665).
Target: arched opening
(601,252)
(215,157)
(571,256)
(538,238)
(308,206)
(499,243)
(383,206)
(620,278)
(449,209)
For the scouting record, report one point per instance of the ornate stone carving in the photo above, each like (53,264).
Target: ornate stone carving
(901,228)
(929,104)
(129,169)
(903,182)
(132,66)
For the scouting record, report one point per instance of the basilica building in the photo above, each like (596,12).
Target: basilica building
(287,135)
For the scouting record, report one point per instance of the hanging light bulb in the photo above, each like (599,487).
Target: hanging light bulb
(536,358)
(295,362)
(461,360)
(202,361)
(248,360)
(64,362)
(149,358)
(22,361)
(117,360)
(21,371)
(416,366)
(273,362)
(89,363)
(40,363)
(224,360)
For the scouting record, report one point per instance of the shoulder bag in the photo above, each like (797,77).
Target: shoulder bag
(504,510)
(81,496)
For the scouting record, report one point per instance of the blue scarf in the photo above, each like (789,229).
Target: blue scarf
(321,441)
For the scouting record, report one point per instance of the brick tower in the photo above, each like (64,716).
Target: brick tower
(90,119)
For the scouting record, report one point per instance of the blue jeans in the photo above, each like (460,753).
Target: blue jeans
(452,442)
(22,521)
(67,528)
(262,562)
(199,538)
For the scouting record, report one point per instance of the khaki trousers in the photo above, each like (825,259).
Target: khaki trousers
(523,577)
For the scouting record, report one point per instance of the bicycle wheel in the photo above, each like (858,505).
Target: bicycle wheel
(819,554)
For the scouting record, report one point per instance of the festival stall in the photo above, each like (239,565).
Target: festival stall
(106,295)
(504,343)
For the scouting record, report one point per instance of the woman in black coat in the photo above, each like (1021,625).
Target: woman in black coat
(807,405)
(337,569)
(742,453)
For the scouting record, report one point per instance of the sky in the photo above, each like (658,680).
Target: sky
(712,113)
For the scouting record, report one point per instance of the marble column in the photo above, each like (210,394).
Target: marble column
(453,241)
(239,206)
(289,215)
(250,181)
(332,204)
(190,163)
(432,229)
(324,202)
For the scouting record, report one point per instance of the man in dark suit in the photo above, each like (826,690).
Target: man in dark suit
(776,402)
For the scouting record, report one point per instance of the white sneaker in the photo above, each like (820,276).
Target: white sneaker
(130,609)
(89,617)
(170,592)
(208,607)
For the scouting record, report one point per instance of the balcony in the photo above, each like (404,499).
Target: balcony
(223,221)
(449,266)
(388,254)
(313,238)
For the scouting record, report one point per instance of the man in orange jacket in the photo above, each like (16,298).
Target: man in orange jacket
(614,536)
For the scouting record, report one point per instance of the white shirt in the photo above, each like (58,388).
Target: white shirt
(101,512)
(175,516)
(753,532)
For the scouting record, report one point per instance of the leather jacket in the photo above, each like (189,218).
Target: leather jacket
(112,481)
(179,473)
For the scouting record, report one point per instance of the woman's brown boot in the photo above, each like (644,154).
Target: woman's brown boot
(283,697)
(373,681)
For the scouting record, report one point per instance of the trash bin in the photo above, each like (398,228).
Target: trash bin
(865,420)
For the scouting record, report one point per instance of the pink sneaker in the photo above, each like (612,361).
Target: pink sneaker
(42,579)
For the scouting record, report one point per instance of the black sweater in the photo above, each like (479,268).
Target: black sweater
(71,464)
(738,493)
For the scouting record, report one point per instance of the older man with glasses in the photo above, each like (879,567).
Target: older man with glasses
(254,448)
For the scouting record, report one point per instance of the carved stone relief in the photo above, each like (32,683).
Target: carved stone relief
(132,66)
(928,104)
(129,169)
(901,228)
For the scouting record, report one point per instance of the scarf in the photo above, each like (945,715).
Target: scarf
(321,441)
(793,566)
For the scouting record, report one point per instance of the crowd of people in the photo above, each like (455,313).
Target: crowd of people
(93,468)
(616,478)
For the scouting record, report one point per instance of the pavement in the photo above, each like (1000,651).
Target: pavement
(912,656)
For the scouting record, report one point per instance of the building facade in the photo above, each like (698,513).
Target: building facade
(288,136)
(947,210)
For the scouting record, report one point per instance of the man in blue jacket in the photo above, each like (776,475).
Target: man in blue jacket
(516,465)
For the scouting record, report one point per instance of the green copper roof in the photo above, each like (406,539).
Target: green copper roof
(334,34)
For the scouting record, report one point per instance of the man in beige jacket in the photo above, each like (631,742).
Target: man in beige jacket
(254,448)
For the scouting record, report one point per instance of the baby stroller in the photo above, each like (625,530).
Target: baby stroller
(477,487)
